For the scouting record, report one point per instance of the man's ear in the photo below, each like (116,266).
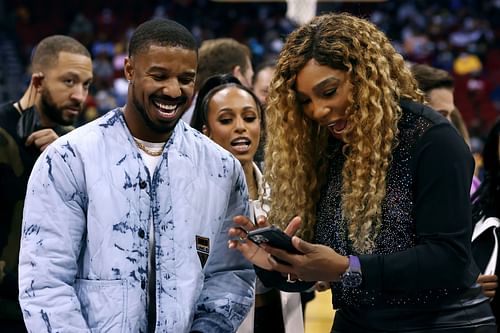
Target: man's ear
(237,72)
(205,130)
(128,69)
(37,79)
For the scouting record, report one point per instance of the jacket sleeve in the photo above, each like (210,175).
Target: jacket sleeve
(441,258)
(53,227)
(228,290)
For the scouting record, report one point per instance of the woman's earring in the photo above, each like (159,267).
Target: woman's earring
(205,130)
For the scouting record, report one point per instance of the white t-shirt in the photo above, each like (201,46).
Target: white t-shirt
(151,163)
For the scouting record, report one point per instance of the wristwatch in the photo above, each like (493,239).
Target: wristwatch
(352,278)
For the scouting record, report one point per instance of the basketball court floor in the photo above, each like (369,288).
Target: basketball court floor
(319,313)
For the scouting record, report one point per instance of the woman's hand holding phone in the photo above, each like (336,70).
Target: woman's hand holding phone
(316,263)
(274,237)
(251,251)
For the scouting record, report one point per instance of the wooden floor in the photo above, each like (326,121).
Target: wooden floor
(319,313)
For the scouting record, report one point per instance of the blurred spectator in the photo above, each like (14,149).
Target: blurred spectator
(81,29)
(224,56)
(438,86)
(103,45)
(262,79)
(263,75)
(424,31)
(103,70)
(466,64)
(221,56)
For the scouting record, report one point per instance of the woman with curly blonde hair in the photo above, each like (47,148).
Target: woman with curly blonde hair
(380,182)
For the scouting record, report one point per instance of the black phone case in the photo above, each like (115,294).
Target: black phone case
(274,237)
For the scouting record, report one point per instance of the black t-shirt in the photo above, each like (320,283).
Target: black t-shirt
(16,162)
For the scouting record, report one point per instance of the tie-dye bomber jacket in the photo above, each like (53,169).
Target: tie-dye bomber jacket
(84,258)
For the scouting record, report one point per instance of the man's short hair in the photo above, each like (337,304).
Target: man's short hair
(46,53)
(430,78)
(161,32)
(220,56)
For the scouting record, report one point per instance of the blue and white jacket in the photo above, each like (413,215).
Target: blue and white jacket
(84,251)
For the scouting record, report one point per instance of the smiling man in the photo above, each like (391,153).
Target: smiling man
(126,218)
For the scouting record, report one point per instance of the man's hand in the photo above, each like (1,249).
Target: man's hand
(29,97)
(489,284)
(42,138)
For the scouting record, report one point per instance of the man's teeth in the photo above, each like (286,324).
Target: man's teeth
(166,107)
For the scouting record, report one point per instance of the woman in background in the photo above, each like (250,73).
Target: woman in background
(230,114)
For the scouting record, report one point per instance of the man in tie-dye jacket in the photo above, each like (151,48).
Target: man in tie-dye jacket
(126,218)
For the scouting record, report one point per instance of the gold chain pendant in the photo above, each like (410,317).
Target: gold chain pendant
(147,150)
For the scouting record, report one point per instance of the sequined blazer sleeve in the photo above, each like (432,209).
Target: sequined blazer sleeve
(442,168)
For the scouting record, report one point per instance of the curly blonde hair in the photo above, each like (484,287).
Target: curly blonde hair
(297,148)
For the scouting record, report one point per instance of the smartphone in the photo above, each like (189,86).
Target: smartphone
(273,236)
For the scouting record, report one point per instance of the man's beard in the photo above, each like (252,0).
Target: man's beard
(51,111)
(160,129)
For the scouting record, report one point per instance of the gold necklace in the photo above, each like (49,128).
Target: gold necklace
(147,150)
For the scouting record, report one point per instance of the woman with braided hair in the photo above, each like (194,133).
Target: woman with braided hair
(377,182)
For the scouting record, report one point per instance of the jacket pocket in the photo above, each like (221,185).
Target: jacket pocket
(103,304)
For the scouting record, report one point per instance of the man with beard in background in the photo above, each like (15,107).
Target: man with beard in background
(126,218)
(60,80)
